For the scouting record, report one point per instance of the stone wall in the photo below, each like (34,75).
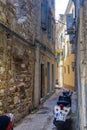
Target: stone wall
(21,57)
(21,78)
(82,66)
(16,63)
(16,77)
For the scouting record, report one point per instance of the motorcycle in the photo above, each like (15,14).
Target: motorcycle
(62,111)
(6,121)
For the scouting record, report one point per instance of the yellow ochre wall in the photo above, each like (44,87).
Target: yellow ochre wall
(69,77)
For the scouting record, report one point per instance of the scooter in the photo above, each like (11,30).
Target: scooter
(62,112)
(67,93)
(6,121)
(66,96)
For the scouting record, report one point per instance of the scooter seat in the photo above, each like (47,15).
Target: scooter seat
(68,99)
(65,103)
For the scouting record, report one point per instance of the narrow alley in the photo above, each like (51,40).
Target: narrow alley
(43,51)
(42,119)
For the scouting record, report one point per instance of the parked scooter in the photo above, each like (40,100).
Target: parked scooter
(66,96)
(6,121)
(67,93)
(62,111)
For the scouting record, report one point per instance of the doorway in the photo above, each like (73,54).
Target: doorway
(48,77)
(52,77)
(42,81)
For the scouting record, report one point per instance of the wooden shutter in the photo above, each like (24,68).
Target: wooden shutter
(49,24)
(44,14)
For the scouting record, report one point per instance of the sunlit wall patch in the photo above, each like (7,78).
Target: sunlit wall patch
(21,11)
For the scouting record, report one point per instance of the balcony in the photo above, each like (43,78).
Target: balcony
(70,23)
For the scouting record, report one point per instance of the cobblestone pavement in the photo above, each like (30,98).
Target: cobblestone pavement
(74,111)
(43,118)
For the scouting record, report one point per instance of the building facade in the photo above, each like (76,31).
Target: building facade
(69,48)
(27,64)
(45,49)
(81,64)
(66,54)
(59,45)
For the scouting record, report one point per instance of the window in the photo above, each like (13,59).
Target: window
(69,23)
(49,23)
(67,49)
(44,14)
(61,38)
(64,52)
(53,3)
(52,33)
(81,2)
(68,69)
(73,12)
(64,69)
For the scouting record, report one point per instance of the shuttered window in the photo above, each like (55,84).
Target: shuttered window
(69,22)
(81,2)
(44,14)
(52,33)
(49,24)
(53,3)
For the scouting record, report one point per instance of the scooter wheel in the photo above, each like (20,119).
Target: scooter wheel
(60,126)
